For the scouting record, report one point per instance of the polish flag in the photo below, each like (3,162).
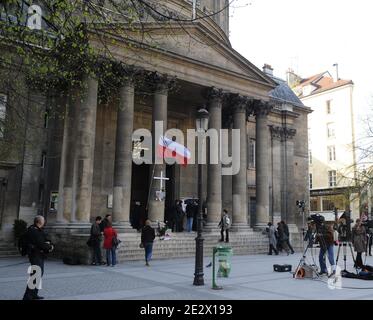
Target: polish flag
(171,149)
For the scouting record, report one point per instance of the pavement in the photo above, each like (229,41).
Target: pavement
(251,277)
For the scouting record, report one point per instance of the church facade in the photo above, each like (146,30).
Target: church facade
(86,157)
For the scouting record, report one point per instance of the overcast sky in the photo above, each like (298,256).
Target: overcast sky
(309,36)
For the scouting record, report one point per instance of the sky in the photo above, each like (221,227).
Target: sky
(310,36)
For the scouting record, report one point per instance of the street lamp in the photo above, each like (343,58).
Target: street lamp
(202,121)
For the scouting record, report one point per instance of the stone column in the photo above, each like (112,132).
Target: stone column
(290,209)
(239,184)
(85,148)
(227,178)
(276,170)
(214,194)
(65,205)
(262,168)
(123,155)
(162,84)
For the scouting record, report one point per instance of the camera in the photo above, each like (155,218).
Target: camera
(300,204)
(318,219)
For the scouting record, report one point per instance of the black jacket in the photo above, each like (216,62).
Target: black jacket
(38,241)
(147,234)
(190,209)
(103,224)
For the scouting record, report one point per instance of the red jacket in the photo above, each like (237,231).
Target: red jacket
(109,234)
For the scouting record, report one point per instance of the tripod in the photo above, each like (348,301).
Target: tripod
(298,273)
(344,244)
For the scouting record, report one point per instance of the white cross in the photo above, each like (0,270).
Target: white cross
(161,178)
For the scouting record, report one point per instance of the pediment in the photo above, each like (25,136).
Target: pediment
(195,42)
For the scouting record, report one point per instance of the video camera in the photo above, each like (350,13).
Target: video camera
(318,219)
(301,204)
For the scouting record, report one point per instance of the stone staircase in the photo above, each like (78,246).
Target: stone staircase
(184,245)
(7,249)
(181,245)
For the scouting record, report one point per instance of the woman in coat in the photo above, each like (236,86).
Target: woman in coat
(272,239)
(109,234)
(147,239)
(359,241)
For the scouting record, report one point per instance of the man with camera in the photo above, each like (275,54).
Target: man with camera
(38,246)
(325,238)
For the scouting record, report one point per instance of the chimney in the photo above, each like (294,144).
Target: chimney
(335,72)
(267,69)
(292,78)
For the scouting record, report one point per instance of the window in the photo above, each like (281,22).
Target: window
(331,130)
(310,156)
(331,153)
(328,106)
(310,180)
(332,178)
(251,160)
(328,205)
(3,100)
(43,159)
(46,118)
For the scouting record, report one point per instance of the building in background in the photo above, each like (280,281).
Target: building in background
(332,159)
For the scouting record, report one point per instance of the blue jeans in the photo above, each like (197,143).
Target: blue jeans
(330,251)
(111,257)
(189,224)
(148,251)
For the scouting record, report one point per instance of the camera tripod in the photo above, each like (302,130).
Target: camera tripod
(344,244)
(299,271)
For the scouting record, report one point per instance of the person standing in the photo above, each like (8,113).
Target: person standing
(109,234)
(282,237)
(272,238)
(287,234)
(224,224)
(147,239)
(359,241)
(325,238)
(95,239)
(177,216)
(38,247)
(190,214)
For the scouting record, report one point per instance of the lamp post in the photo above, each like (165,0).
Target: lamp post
(202,121)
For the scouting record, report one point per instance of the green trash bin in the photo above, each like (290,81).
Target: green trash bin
(221,259)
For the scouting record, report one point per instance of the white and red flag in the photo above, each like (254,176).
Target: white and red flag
(168,148)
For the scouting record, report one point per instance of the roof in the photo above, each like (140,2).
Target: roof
(283,93)
(322,82)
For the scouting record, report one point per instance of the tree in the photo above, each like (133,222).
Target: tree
(50,44)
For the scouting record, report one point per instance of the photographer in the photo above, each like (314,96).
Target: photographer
(359,241)
(325,237)
(38,247)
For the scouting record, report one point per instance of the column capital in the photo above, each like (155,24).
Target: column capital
(289,133)
(261,108)
(214,93)
(276,132)
(239,103)
(127,74)
(161,83)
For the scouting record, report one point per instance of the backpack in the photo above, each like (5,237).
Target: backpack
(116,242)
(227,221)
(24,244)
